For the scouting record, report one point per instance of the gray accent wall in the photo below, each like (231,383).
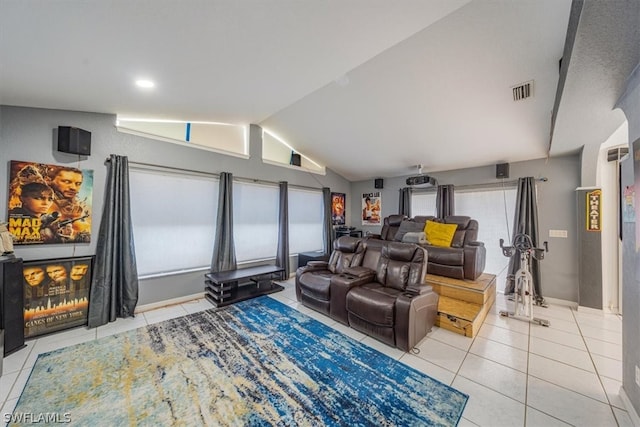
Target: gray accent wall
(589,257)
(556,211)
(630,104)
(28,134)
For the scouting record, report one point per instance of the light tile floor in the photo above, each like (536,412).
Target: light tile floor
(516,373)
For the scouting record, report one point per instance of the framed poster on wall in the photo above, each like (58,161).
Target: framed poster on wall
(56,294)
(371,208)
(338,203)
(49,203)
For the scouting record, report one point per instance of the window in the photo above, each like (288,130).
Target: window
(306,211)
(278,152)
(494,210)
(423,203)
(255,221)
(221,137)
(174,218)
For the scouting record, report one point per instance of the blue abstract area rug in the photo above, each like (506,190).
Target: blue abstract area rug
(258,362)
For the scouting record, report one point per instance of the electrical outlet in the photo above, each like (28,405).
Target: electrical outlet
(637,376)
(558,233)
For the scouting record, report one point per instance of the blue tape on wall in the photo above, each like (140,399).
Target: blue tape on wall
(188,136)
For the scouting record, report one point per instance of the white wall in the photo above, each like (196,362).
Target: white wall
(607,179)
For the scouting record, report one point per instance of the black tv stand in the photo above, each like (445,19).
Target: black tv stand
(227,287)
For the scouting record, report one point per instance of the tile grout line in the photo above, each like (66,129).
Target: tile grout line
(541,379)
(604,389)
(457,373)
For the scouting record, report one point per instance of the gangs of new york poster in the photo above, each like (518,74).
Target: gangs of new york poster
(49,203)
(56,294)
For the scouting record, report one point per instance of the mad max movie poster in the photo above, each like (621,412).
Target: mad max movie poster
(49,203)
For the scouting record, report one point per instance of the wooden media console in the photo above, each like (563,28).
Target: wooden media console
(463,304)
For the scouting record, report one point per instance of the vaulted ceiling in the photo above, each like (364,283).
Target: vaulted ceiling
(369,88)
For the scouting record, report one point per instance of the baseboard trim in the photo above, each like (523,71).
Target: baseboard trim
(167,302)
(635,419)
(564,302)
(590,310)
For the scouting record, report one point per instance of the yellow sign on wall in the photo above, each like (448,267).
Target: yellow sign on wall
(594,210)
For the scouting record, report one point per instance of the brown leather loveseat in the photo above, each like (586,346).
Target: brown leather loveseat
(374,286)
(464,259)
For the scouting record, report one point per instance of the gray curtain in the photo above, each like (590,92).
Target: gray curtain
(525,221)
(282,258)
(114,288)
(404,207)
(224,251)
(327,228)
(445,203)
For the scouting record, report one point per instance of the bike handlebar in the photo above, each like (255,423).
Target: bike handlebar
(522,243)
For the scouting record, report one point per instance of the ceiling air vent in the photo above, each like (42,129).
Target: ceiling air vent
(523,91)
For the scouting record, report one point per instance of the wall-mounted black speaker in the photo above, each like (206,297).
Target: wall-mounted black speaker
(502,170)
(296,159)
(378,183)
(74,140)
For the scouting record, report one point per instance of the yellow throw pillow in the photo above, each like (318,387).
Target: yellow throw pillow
(439,234)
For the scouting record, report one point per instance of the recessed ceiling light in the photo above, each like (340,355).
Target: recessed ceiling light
(145,83)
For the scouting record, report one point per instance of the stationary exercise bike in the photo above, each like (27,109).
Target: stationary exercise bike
(524,290)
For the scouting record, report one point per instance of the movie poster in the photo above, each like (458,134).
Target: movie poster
(338,208)
(49,203)
(371,207)
(56,294)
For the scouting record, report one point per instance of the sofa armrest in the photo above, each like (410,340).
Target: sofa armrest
(373,236)
(341,284)
(415,290)
(415,316)
(312,266)
(316,265)
(475,243)
(474,261)
(359,272)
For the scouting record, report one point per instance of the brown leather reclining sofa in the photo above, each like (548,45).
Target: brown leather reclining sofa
(373,286)
(464,259)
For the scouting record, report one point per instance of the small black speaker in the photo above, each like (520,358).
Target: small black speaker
(74,140)
(296,159)
(502,170)
(378,183)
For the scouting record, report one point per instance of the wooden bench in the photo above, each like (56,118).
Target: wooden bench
(228,287)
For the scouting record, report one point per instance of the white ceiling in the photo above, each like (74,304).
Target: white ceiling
(369,88)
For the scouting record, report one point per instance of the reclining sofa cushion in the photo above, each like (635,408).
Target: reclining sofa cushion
(390,226)
(374,303)
(313,281)
(347,252)
(372,307)
(466,231)
(372,251)
(401,265)
(446,257)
